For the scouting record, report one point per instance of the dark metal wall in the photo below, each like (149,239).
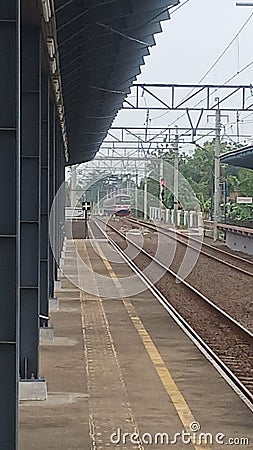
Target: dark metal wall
(44,199)
(9,222)
(31,171)
(30,202)
(32,156)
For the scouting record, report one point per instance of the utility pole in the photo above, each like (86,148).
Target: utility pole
(98,201)
(175,187)
(73,187)
(162,187)
(237,127)
(128,183)
(147,124)
(217,173)
(136,194)
(145,193)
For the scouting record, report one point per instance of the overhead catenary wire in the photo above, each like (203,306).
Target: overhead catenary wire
(226,49)
(180,6)
(130,38)
(202,100)
(212,67)
(167,9)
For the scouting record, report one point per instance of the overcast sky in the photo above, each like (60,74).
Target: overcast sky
(194,37)
(190,43)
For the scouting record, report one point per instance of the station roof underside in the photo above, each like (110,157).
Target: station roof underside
(242,157)
(102,44)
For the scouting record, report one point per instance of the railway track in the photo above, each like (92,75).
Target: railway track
(233,261)
(223,340)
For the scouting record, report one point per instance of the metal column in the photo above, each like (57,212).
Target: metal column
(62,197)
(44,250)
(59,210)
(217,174)
(30,204)
(56,216)
(175,181)
(51,194)
(9,220)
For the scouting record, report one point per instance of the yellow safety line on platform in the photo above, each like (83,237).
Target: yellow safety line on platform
(178,400)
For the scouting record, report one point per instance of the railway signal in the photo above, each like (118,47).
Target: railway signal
(86,206)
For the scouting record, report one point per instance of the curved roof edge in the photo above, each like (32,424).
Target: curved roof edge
(241,158)
(102,45)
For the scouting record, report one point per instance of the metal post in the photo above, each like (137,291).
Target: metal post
(175,188)
(62,198)
(127,184)
(44,291)
(57,200)
(145,193)
(30,205)
(136,194)
(51,194)
(85,224)
(59,170)
(10,46)
(161,187)
(217,174)
(73,187)
(98,201)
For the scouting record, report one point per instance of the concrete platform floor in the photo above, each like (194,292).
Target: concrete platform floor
(120,365)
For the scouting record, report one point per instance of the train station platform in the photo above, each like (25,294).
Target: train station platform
(122,374)
(238,238)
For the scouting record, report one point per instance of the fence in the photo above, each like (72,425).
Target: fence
(188,219)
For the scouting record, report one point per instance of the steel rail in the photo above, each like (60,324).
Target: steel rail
(248,333)
(203,244)
(220,366)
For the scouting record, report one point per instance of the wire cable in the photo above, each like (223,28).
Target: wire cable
(167,9)
(212,66)
(180,6)
(226,49)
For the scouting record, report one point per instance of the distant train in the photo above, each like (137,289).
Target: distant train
(119,205)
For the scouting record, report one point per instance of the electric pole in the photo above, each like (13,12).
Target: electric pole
(175,187)
(147,124)
(73,187)
(145,193)
(217,173)
(162,187)
(136,193)
(98,201)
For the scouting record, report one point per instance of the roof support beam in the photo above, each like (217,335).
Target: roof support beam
(30,205)
(9,221)
(44,171)
(51,193)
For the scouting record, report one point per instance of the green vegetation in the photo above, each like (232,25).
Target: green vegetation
(198,170)
(196,175)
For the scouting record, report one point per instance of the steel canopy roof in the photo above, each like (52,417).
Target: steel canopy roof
(101,44)
(242,157)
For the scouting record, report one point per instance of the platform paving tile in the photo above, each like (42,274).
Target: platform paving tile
(104,386)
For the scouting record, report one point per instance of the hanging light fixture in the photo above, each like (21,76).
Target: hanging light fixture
(46,9)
